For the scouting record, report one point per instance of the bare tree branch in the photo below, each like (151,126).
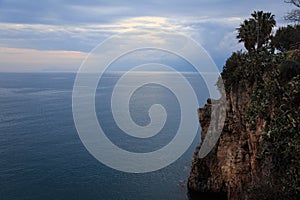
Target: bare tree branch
(295,2)
(293,15)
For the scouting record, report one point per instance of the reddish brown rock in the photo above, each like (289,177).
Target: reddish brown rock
(232,167)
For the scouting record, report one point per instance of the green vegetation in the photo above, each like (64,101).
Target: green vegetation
(256,31)
(274,80)
(286,37)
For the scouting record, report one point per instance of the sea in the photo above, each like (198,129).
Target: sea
(43,158)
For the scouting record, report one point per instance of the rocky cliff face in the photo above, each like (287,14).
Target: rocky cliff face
(257,155)
(232,166)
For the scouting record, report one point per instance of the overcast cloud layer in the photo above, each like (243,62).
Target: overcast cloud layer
(56,35)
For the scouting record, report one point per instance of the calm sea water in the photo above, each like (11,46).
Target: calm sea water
(42,157)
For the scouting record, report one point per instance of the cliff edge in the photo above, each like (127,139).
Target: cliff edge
(262,104)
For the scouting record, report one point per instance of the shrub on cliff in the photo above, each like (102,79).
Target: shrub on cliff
(275,80)
(281,137)
(246,68)
(286,37)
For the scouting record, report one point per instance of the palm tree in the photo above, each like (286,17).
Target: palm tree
(256,31)
(246,34)
(264,25)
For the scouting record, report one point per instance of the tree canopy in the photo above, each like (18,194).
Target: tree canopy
(274,82)
(255,32)
(286,37)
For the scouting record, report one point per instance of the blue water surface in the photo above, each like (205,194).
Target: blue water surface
(42,157)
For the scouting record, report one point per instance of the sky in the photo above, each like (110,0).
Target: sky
(57,35)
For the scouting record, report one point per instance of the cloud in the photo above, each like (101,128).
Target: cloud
(29,60)
(78,26)
(95,11)
(73,37)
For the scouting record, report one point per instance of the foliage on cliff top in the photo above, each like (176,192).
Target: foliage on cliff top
(274,80)
(286,37)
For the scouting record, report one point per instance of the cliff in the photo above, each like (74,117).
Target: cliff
(244,163)
(232,165)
